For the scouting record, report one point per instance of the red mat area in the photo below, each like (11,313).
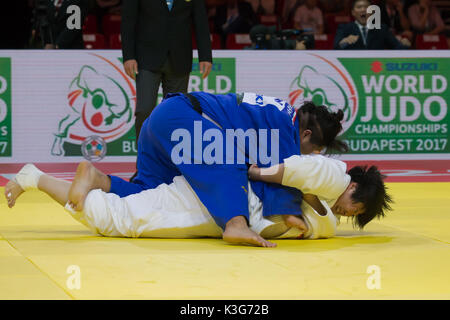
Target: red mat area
(396,170)
(67,170)
(410,170)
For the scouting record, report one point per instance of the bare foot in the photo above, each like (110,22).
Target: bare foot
(12,192)
(85,180)
(237,231)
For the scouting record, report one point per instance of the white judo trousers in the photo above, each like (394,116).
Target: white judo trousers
(168,211)
(174,210)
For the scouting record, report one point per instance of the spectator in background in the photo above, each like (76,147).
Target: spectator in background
(263,7)
(355,35)
(309,16)
(425,18)
(287,12)
(393,15)
(235,16)
(57,35)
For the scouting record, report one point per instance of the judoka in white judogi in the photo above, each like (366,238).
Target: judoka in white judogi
(174,211)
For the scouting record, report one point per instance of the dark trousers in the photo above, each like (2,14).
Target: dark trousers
(147,86)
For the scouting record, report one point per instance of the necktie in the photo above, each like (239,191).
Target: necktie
(169,4)
(58,4)
(364,33)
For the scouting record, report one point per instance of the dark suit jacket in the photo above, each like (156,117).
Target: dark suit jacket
(377,39)
(63,37)
(151,33)
(247,18)
(393,23)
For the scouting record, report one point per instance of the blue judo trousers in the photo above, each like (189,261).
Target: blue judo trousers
(177,140)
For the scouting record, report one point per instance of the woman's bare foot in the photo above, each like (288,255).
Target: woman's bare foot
(237,231)
(12,192)
(87,178)
(26,178)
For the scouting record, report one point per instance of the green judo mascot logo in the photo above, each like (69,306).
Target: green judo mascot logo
(100,107)
(324,83)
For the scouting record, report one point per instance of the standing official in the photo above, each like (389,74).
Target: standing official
(157,47)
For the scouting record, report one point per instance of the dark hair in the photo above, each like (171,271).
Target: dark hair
(324,125)
(371,191)
(355,1)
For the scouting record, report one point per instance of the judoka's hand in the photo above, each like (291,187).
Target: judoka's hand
(254,172)
(295,222)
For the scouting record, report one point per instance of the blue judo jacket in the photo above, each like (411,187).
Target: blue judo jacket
(208,150)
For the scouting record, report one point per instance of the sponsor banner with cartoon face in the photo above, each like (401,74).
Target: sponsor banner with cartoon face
(66,106)
(75,105)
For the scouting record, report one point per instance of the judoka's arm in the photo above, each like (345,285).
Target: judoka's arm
(315,203)
(292,221)
(315,174)
(272,174)
(275,174)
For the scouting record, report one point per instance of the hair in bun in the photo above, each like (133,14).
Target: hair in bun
(324,125)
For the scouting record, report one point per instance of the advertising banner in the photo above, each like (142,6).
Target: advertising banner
(5,107)
(402,105)
(66,106)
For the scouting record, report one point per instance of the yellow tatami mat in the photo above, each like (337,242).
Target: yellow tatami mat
(45,254)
